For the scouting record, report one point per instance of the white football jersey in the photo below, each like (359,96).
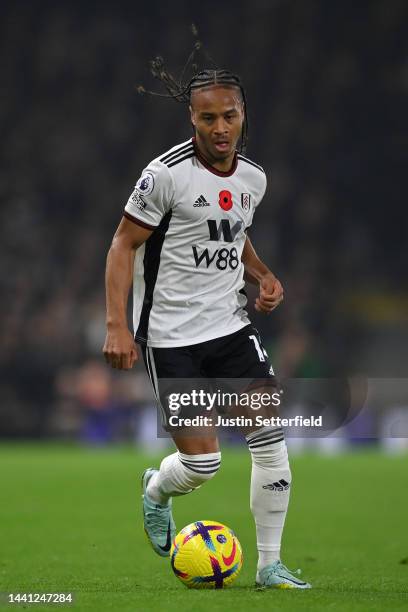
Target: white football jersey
(188,284)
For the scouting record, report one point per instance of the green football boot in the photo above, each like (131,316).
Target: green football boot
(277,576)
(158,521)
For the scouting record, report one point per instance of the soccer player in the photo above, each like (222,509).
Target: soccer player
(183,241)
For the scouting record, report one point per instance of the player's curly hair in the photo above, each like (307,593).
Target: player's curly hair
(181,89)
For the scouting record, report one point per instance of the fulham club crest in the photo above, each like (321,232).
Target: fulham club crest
(246,201)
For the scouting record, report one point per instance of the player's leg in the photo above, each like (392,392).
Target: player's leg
(196,460)
(269,499)
(271,480)
(271,475)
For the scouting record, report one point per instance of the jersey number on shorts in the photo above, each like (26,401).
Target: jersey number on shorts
(259,349)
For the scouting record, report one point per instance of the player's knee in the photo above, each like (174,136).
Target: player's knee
(268,448)
(200,468)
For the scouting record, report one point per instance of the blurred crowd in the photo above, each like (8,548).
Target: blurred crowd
(326,85)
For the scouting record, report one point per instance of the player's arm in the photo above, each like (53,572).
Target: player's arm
(256,272)
(120,348)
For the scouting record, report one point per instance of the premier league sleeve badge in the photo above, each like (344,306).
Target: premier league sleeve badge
(145,184)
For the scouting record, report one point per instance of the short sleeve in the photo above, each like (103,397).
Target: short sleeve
(257,199)
(152,197)
(263,189)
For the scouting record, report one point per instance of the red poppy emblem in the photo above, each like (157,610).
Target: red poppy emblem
(225,199)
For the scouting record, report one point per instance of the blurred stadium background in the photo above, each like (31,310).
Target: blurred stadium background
(327,86)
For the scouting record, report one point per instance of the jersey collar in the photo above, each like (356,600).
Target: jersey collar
(210,168)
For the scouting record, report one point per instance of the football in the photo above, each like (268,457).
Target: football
(206,555)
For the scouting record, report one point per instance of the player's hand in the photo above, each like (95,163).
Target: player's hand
(270,294)
(120,349)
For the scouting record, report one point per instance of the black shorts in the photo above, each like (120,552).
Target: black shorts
(238,356)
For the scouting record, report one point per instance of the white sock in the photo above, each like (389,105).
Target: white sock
(180,474)
(270,488)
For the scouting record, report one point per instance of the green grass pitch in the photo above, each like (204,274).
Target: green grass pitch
(71,521)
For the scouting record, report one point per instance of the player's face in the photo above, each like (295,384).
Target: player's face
(217,114)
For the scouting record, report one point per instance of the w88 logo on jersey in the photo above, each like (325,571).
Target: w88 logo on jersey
(225,257)
(221,258)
